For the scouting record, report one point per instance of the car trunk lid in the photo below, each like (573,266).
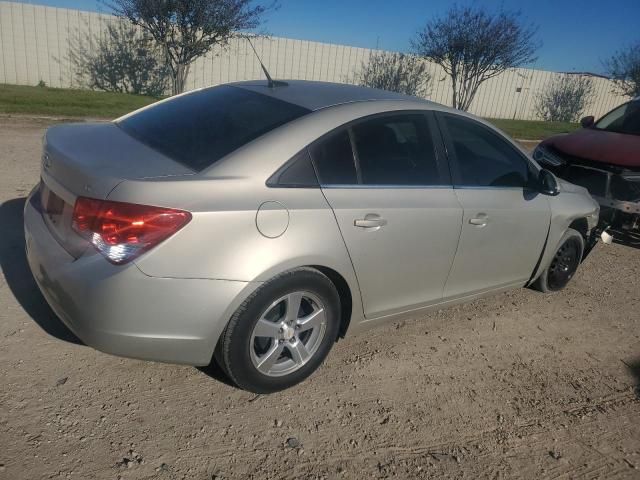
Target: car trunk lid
(90,160)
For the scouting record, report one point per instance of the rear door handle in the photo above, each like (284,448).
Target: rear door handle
(370,221)
(479,221)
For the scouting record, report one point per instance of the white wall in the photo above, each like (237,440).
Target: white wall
(34,46)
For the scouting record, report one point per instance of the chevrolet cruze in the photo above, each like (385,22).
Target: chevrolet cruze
(253,225)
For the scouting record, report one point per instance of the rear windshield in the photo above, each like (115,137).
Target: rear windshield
(200,128)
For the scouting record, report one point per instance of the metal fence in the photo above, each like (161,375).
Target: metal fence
(35,41)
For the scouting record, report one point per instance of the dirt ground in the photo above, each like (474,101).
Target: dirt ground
(521,385)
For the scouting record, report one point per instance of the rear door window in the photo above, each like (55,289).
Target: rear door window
(296,173)
(396,151)
(199,128)
(333,158)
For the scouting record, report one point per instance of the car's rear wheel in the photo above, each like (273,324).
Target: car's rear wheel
(281,334)
(564,263)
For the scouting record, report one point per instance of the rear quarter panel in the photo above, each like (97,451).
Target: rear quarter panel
(223,242)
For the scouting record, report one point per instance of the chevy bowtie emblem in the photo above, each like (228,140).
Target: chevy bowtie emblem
(46,161)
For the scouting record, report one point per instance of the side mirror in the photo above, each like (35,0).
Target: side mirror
(547,183)
(587,122)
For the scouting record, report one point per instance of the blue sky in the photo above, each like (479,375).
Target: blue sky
(576,34)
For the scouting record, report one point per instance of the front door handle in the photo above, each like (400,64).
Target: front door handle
(479,221)
(370,221)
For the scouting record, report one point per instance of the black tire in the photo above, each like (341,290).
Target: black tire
(234,350)
(564,263)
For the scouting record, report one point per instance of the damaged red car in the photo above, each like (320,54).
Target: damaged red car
(604,157)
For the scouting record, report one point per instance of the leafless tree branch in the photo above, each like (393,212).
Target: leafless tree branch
(188,29)
(565,98)
(472,45)
(122,60)
(624,69)
(395,72)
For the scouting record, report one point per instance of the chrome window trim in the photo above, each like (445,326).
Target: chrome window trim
(489,187)
(387,187)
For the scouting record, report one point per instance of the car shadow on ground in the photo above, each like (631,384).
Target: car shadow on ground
(634,369)
(214,371)
(18,276)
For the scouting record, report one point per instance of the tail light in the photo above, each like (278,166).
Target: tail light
(122,231)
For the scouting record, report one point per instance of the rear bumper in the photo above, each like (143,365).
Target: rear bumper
(121,311)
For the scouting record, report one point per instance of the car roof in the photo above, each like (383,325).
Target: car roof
(318,95)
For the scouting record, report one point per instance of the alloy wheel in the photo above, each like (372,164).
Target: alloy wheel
(288,334)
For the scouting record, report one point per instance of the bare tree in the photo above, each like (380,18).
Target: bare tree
(188,29)
(395,72)
(472,45)
(565,98)
(121,60)
(624,68)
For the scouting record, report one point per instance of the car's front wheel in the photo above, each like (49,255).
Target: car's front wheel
(281,334)
(564,263)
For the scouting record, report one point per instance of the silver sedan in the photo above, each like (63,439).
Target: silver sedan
(254,225)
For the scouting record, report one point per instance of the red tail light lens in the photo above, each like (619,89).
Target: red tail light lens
(122,231)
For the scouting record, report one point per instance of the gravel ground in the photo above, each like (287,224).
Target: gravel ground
(520,385)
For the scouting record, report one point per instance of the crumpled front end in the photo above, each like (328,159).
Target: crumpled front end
(615,188)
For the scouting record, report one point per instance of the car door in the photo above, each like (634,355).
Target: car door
(395,207)
(505,222)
